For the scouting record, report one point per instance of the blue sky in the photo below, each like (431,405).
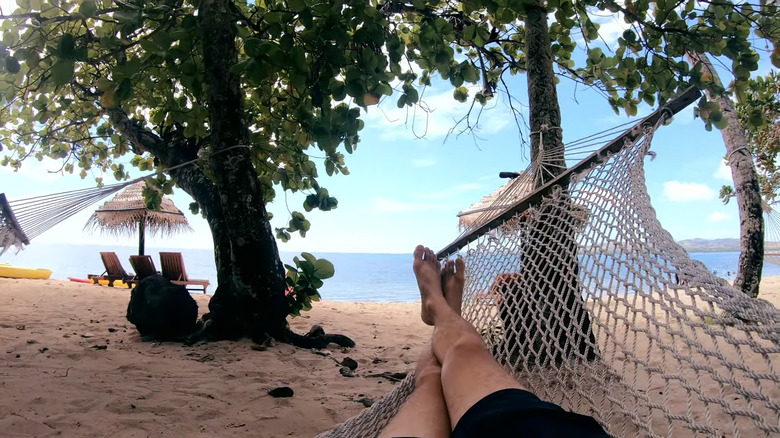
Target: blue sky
(403,190)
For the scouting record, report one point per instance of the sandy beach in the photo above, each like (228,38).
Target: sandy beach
(73,366)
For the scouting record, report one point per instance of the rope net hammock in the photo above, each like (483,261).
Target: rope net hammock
(581,294)
(25,219)
(771,235)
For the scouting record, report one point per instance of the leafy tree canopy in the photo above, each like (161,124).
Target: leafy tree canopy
(90,81)
(646,65)
(759,115)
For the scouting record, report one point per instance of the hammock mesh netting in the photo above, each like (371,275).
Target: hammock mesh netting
(771,234)
(25,219)
(582,295)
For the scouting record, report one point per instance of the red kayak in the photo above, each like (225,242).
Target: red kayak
(80,280)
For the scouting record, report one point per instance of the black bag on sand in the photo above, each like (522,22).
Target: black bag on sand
(161,310)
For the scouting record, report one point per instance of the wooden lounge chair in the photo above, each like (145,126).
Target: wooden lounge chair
(114,270)
(173,269)
(143,265)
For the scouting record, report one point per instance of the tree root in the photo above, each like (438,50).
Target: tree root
(209,330)
(317,341)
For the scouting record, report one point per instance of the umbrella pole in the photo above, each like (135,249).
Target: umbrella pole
(141,235)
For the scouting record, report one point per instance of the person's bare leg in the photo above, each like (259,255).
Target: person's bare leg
(469,371)
(424,413)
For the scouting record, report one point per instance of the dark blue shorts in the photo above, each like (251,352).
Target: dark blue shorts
(517,413)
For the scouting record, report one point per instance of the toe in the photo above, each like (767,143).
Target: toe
(430,255)
(419,254)
(460,267)
(449,268)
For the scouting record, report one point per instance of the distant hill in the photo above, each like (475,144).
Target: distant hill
(717,245)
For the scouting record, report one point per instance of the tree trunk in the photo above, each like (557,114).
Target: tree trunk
(544,110)
(250,296)
(250,299)
(746,186)
(565,322)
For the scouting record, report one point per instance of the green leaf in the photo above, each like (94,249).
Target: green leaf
(128,17)
(461,94)
(125,90)
(324,269)
(412,96)
(66,48)
(756,118)
(253,47)
(338,90)
(470,73)
(741,73)
(309,257)
(12,65)
(62,72)
(594,55)
(88,8)
(104,84)
(469,32)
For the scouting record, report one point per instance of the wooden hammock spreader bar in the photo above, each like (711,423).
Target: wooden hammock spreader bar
(674,106)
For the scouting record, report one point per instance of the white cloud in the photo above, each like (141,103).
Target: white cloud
(718,216)
(723,172)
(677,191)
(8,6)
(449,192)
(423,162)
(40,171)
(388,205)
(611,27)
(434,117)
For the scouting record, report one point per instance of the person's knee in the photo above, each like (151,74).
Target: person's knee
(428,373)
(469,346)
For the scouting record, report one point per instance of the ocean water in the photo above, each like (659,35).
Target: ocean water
(359,277)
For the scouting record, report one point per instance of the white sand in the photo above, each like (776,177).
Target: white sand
(135,389)
(55,382)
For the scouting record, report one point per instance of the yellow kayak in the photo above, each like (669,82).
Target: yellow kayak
(117,283)
(8,271)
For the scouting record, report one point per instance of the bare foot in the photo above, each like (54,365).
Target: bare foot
(453,277)
(427,270)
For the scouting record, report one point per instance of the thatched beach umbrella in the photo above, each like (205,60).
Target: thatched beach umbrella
(495,203)
(508,195)
(127,212)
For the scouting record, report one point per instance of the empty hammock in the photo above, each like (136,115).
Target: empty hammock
(581,294)
(771,235)
(25,219)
